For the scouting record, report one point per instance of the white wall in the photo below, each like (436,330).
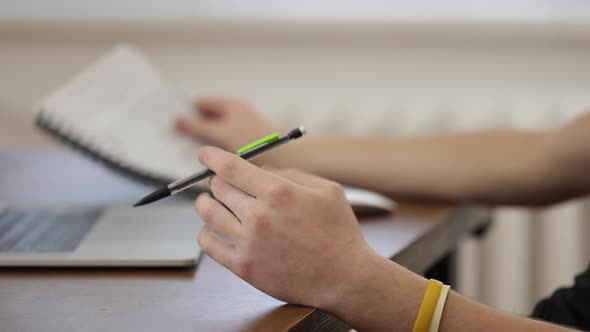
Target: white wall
(449,10)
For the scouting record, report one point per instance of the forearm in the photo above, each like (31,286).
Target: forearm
(498,166)
(389,299)
(495,167)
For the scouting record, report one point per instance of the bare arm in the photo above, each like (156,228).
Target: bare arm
(490,166)
(389,301)
(500,166)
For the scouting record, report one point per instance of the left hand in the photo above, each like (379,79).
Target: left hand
(290,234)
(221,121)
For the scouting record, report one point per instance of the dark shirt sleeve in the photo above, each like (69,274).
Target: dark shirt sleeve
(568,306)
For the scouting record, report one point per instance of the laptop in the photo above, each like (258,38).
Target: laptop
(159,235)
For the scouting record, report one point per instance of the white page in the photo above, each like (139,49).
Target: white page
(121,107)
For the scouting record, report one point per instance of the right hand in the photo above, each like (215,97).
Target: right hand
(290,234)
(226,122)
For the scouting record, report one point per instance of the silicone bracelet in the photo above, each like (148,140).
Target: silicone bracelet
(428,305)
(438,311)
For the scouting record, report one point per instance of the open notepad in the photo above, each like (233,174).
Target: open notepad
(120,111)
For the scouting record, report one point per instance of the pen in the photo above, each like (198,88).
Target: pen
(248,152)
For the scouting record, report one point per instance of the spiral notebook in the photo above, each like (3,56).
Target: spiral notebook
(120,111)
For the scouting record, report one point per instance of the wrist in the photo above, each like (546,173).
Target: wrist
(285,156)
(354,282)
(376,291)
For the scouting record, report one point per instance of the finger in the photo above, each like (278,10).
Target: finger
(195,127)
(241,174)
(212,106)
(299,177)
(221,251)
(218,218)
(236,200)
(270,168)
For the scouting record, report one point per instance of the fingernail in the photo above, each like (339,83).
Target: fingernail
(208,182)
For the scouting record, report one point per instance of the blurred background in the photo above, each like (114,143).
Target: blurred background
(381,68)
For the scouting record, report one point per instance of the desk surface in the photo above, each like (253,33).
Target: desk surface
(203,298)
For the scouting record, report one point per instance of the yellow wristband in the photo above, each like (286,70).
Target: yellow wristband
(438,311)
(428,305)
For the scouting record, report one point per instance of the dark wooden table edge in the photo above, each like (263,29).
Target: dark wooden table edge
(443,238)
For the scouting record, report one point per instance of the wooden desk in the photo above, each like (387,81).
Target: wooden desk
(204,298)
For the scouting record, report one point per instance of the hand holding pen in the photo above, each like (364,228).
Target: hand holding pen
(247,152)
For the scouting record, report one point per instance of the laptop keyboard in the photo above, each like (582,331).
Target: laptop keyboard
(45,230)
